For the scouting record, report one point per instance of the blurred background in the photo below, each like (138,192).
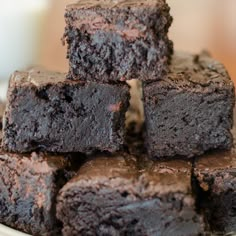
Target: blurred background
(197,25)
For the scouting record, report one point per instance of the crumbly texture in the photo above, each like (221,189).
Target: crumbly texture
(29,185)
(46,112)
(113,196)
(216,179)
(118,40)
(191,110)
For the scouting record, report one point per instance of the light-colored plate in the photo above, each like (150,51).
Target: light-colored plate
(6,231)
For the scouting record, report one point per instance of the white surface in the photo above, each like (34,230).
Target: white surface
(5,231)
(21,24)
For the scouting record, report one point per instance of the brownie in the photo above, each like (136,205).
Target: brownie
(125,196)
(47,112)
(191,110)
(118,40)
(29,185)
(216,180)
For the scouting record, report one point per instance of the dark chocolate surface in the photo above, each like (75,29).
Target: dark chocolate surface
(28,188)
(118,40)
(191,110)
(116,196)
(49,113)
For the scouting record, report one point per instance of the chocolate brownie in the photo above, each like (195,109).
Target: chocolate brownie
(29,185)
(118,40)
(216,179)
(120,195)
(47,112)
(191,110)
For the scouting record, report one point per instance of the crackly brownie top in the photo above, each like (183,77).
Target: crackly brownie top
(166,176)
(126,171)
(40,78)
(37,162)
(115,3)
(217,171)
(199,72)
(37,77)
(217,161)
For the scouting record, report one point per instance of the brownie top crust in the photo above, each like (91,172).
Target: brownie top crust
(222,160)
(199,72)
(41,78)
(163,177)
(39,162)
(159,177)
(115,4)
(37,77)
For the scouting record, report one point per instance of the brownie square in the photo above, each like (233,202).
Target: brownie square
(117,40)
(47,112)
(191,110)
(216,181)
(113,196)
(29,185)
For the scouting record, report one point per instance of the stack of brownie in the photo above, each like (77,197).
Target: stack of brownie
(73,161)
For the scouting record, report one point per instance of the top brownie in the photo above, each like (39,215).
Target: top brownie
(118,40)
